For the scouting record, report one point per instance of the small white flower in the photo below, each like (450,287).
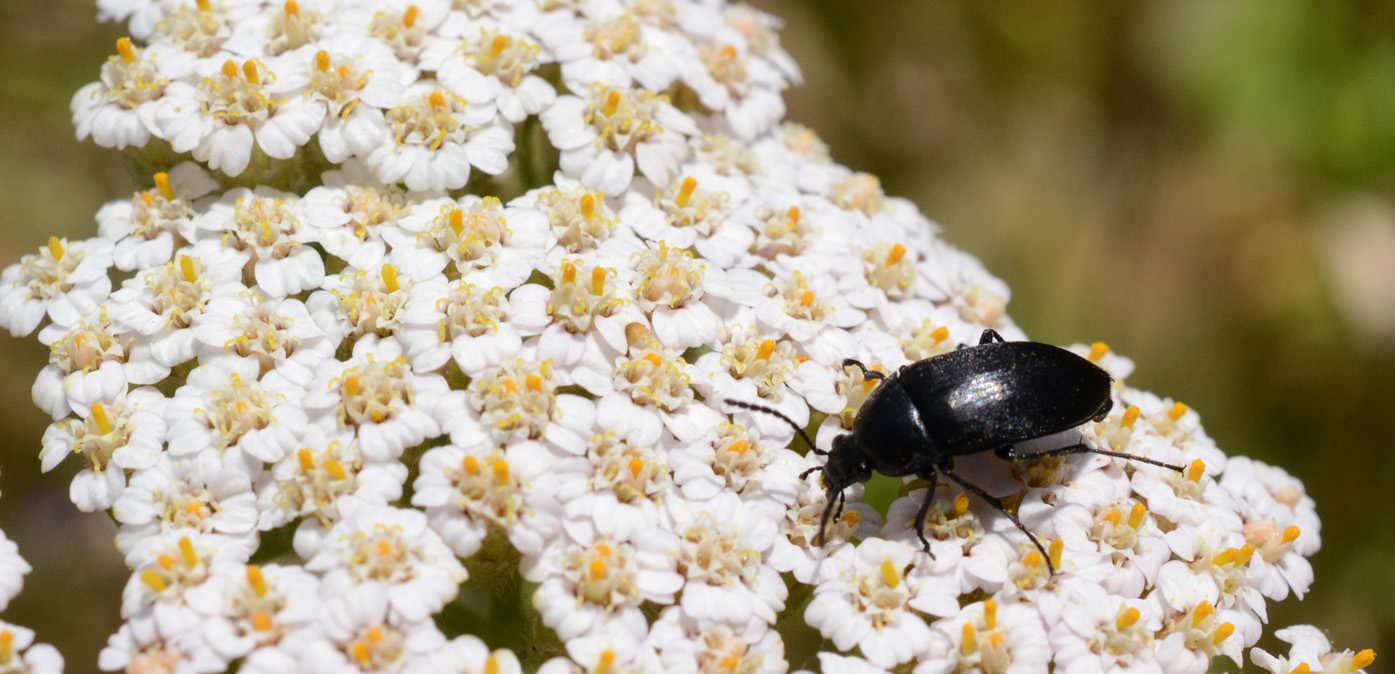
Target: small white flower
(864,600)
(13,569)
(721,546)
(310,482)
(433,137)
(355,80)
(688,646)
(250,607)
(118,110)
(494,65)
(65,281)
(352,210)
(223,407)
(198,493)
(988,636)
(1311,649)
(476,237)
(278,333)
(150,226)
(125,434)
(267,227)
(460,321)
(587,589)
(164,304)
(606,135)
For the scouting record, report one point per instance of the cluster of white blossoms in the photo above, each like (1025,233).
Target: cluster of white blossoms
(440,292)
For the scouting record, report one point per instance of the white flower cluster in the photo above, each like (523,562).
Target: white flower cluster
(542,244)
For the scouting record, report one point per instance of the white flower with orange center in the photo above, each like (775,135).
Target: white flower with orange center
(164,304)
(734,459)
(746,89)
(476,238)
(223,407)
(247,607)
(278,333)
(376,393)
(433,137)
(668,286)
(231,113)
(493,63)
(355,81)
(607,134)
(356,302)
(117,110)
(584,315)
(20,650)
(153,223)
(614,48)
(357,632)
(1191,638)
(988,636)
(1118,545)
(688,646)
(65,281)
(266,226)
(127,433)
(198,494)
(1310,651)
(1095,631)
(90,363)
(863,600)
(618,494)
(517,400)
(353,210)
(585,589)
(647,391)
(721,546)
(392,549)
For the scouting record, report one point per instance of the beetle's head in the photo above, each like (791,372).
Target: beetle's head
(847,465)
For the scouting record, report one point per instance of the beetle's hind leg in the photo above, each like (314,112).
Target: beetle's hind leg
(925,510)
(998,505)
(866,373)
(1011,454)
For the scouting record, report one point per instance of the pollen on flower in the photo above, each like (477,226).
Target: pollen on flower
(430,121)
(470,310)
(631,473)
(373,302)
(515,398)
(879,593)
(763,361)
(265,226)
(623,118)
(780,233)
(338,82)
(581,295)
(98,437)
(506,57)
(668,277)
(604,574)
(888,268)
(927,341)
(46,274)
(653,376)
(619,38)
(580,218)
(291,28)
(374,392)
(322,480)
(237,408)
(860,192)
(738,456)
(87,346)
(200,29)
(714,553)
(401,31)
(471,237)
(239,96)
(686,205)
(129,79)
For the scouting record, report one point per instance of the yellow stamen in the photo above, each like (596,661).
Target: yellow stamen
(7,645)
(249,70)
(598,275)
(471,465)
(852,519)
(409,17)
(374,635)
(1057,546)
(1136,515)
(186,550)
(636,466)
(728,52)
(335,470)
(123,47)
(1127,618)
(990,614)
(152,579)
(767,347)
(604,663)
(1246,552)
(730,662)
(55,247)
(256,580)
(501,471)
(568,272)
(806,299)
(147,198)
(1290,535)
(390,278)
(1032,559)
(1363,659)
(1202,612)
(203,5)
(491,664)
(995,640)
(510,386)
(897,252)
(186,268)
(603,550)
(99,415)
(961,504)
(534,383)
(456,219)
(1196,470)
(1178,409)
(739,447)
(307,460)
(292,8)
(230,69)
(793,215)
(588,206)
(1223,632)
(1114,516)
(1226,557)
(967,636)
(653,359)
(598,569)
(437,100)
(194,509)
(1130,416)
(890,574)
(261,622)
(351,385)
(360,652)
(1302,668)
(685,192)
(384,549)
(497,47)
(612,103)
(165,561)
(1097,351)
(939,334)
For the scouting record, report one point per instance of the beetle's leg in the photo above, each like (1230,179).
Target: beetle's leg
(989,336)
(925,510)
(809,472)
(998,505)
(1011,454)
(866,373)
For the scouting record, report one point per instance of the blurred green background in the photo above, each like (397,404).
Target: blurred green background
(1209,187)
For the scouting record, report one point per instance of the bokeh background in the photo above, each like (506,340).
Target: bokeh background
(1208,187)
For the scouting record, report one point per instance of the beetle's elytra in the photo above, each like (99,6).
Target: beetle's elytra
(978,398)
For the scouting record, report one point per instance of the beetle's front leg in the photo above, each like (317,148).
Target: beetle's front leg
(866,373)
(925,510)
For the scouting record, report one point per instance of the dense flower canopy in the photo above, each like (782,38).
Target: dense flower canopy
(440,288)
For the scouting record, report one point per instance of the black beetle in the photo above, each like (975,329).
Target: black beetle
(975,399)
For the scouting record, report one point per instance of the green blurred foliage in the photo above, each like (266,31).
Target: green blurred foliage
(1164,177)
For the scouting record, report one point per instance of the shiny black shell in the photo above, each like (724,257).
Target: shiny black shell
(976,399)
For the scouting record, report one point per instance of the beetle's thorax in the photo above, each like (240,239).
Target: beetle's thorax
(889,431)
(847,464)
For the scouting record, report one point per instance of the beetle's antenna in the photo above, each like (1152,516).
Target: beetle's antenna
(779,415)
(838,501)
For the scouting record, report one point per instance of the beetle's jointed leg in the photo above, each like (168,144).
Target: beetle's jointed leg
(866,373)
(925,510)
(998,505)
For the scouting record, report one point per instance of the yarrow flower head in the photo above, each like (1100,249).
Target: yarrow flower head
(425,299)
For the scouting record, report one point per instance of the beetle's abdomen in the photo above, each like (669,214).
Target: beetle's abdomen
(987,396)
